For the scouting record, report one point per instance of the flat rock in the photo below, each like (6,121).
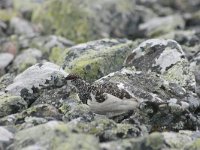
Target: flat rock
(53,135)
(34,78)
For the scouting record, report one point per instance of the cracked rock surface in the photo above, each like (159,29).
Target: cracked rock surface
(99,75)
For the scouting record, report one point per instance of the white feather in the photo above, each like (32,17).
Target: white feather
(112,105)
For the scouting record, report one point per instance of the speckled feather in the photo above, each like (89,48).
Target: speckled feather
(85,89)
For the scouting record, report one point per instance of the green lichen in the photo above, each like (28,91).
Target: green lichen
(88,74)
(193,146)
(11,104)
(64,108)
(56,55)
(95,64)
(79,141)
(155,141)
(26,64)
(179,74)
(67,17)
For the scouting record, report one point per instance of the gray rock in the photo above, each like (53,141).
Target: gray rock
(93,21)
(106,129)
(63,98)
(6,138)
(26,59)
(57,41)
(36,77)
(3,27)
(79,112)
(164,57)
(95,59)
(6,80)
(55,136)
(32,116)
(188,39)
(11,104)
(159,101)
(5,60)
(21,27)
(6,4)
(165,141)
(162,25)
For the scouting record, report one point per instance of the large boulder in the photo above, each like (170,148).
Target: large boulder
(28,83)
(164,57)
(96,59)
(55,136)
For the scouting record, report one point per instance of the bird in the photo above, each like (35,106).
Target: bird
(112,105)
(105,98)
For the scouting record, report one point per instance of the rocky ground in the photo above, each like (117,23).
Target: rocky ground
(99,75)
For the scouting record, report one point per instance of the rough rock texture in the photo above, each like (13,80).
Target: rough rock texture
(92,19)
(161,25)
(28,83)
(164,57)
(32,116)
(95,59)
(11,104)
(53,135)
(165,140)
(6,137)
(128,93)
(158,98)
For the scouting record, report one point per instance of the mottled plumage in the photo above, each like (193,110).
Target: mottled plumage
(104,98)
(97,90)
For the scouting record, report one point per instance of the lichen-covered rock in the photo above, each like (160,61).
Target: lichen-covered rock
(11,104)
(32,116)
(160,102)
(82,21)
(6,138)
(188,39)
(55,136)
(164,57)
(28,83)
(55,48)
(81,112)
(195,145)
(161,25)
(26,59)
(6,80)
(155,141)
(95,59)
(106,129)
(63,98)
(5,60)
